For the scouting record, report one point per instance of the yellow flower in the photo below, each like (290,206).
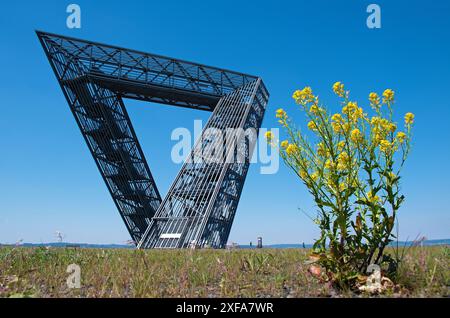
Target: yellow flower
(355,183)
(331,184)
(329,164)
(375,121)
(315,176)
(280,113)
(268,136)
(384,123)
(337,118)
(349,108)
(358,113)
(409,118)
(392,127)
(341,145)
(303,174)
(345,127)
(321,150)
(342,187)
(377,139)
(314,109)
(356,135)
(297,94)
(388,95)
(291,149)
(401,137)
(336,127)
(307,91)
(284,144)
(373,198)
(385,146)
(392,176)
(374,99)
(338,89)
(343,161)
(336,123)
(312,125)
(303,96)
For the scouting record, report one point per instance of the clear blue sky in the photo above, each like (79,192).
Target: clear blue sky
(49,182)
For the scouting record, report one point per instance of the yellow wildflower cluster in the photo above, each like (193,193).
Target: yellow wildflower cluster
(322,150)
(315,109)
(374,99)
(401,137)
(342,138)
(337,118)
(409,118)
(348,164)
(338,89)
(303,96)
(341,145)
(388,96)
(303,174)
(391,127)
(282,116)
(329,164)
(381,127)
(312,125)
(269,136)
(291,149)
(336,187)
(356,135)
(375,121)
(385,146)
(353,112)
(338,124)
(373,198)
(343,161)
(280,113)
(349,108)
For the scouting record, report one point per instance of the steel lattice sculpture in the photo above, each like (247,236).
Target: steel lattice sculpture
(199,208)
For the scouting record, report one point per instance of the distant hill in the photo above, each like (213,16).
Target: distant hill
(87,245)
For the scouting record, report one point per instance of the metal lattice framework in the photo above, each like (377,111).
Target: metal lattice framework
(200,206)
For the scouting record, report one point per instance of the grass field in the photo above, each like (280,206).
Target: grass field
(41,272)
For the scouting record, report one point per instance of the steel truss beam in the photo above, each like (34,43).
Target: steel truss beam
(200,206)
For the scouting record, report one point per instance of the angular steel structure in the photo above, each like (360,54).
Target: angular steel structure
(199,208)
